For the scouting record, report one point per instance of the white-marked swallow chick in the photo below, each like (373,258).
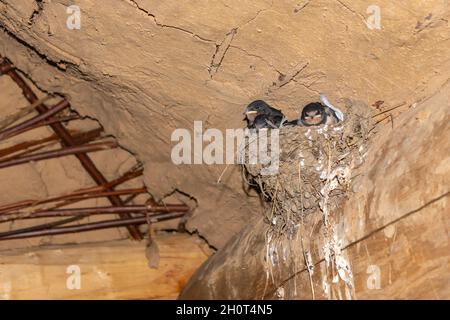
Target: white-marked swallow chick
(316,114)
(260,115)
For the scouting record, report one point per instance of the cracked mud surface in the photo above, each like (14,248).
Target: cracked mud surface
(136,64)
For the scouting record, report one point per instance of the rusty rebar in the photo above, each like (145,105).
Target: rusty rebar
(26,147)
(107,224)
(11,216)
(137,209)
(9,132)
(47,123)
(45,226)
(129,175)
(21,113)
(70,199)
(53,224)
(68,141)
(81,138)
(33,149)
(58,153)
(93,195)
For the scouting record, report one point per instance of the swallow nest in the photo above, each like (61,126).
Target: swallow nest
(315,169)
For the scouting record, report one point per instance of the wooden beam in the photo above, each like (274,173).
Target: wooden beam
(109,270)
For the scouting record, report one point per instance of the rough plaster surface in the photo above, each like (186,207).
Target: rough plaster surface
(145,68)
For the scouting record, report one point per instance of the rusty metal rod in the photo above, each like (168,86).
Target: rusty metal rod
(51,120)
(16,205)
(25,147)
(72,201)
(92,195)
(21,113)
(81,138)
(48,122)
(33,150)
(131,174)
(45,226)
(9,132)
(94,226)
(142,209)
(67,139)
(53,224)
(59,153)
(104,210)
(71,197)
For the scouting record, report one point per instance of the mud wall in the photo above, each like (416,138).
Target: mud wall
(135,65)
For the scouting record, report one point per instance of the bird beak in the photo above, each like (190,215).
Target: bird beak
(250,115)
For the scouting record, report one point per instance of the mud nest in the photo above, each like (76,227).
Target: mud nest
(315,169)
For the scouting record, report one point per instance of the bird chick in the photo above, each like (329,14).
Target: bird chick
(260,115)
(316,114)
